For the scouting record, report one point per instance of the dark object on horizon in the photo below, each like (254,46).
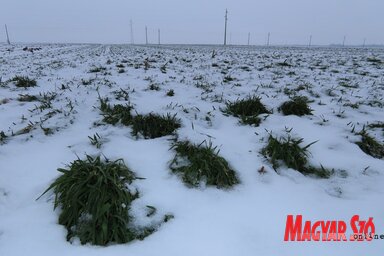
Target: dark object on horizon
(30,49)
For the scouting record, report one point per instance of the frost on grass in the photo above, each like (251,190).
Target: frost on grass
(95,197)
(198,164)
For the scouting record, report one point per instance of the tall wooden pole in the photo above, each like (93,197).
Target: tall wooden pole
(310,41)
(344,41)
(269,35)
(6,32)
(225,27)
(158,35)
(249,38)
(146,35)
(132,39)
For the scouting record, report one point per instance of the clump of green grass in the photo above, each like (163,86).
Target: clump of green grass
(3,137)
(247,110)
(149,126)
(376,125)
(27,98)
(117,113)
(23,81)
(87,81)
(370,146)
(171,93)
(348,84)
(202,164)
(298,106)
(374,60)
(96,140)
(94,198)
(154,126)
(288,151)
(283,64)
(97,69)
(228,79)
(154,87)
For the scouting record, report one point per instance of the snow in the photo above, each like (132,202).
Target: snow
(246,220)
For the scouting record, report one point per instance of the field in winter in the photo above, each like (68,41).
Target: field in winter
(224,142)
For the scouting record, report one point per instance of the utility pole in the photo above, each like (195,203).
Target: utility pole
(364,42)
(269,35)
(310,41)
(344,40)
(6,32)
(146,35)
(249,38)
(225,28)
(158,36)
(132,39)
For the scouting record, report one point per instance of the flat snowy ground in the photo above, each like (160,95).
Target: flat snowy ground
(346,89)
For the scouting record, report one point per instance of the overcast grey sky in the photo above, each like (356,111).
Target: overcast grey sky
(194,21)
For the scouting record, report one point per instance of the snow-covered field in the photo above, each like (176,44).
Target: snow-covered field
(346,90)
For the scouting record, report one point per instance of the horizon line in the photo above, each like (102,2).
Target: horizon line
(336,45)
